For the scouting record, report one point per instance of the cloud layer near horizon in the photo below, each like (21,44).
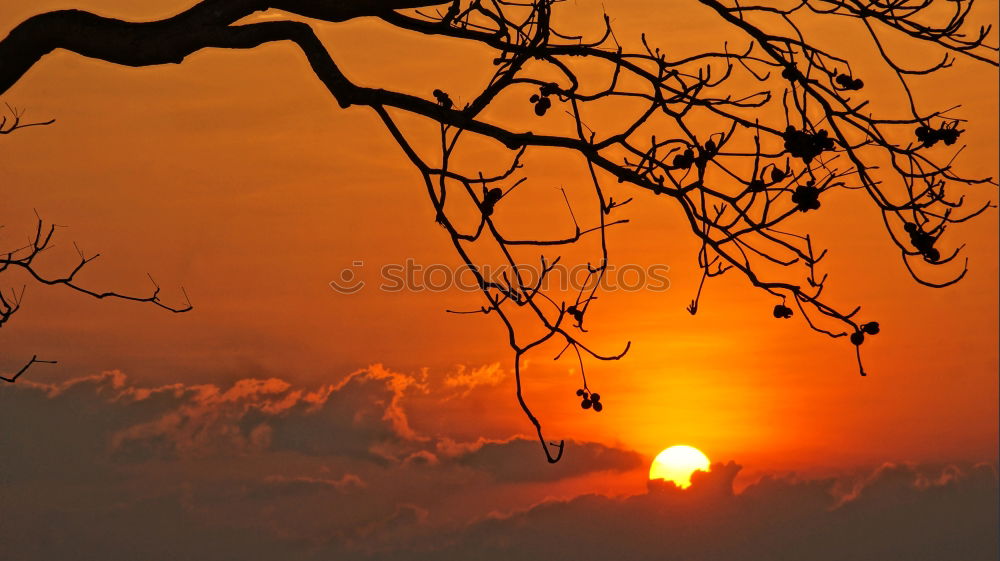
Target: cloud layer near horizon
(898,512)
(264,470)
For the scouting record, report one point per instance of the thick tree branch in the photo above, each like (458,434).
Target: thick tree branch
(168,40)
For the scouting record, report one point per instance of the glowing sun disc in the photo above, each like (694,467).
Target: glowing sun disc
(677,463)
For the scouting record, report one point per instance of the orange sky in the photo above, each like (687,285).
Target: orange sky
(236,175)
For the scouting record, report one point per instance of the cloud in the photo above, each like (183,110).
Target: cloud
(467,380)
(504,460)
(275,486)
(66,430)
(361,417)
(105,417)
(899,512)
(153,529)
(338,465)
(263,469)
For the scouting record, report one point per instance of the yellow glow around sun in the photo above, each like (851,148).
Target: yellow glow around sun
(677,463)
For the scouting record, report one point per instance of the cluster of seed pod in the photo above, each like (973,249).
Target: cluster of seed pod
(443,99)
(806,145)
(541,99)
(490,199)
(929,137)
(577,313)
(791,72)
(758,185)
(707,152)
(684,160)
(591,400)
(687,158)
(806,197)
(782,311)
(848,83)
(923,241)
(870,328)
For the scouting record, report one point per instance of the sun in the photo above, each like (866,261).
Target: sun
(677,463)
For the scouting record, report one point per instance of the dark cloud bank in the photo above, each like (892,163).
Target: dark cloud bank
(98,468)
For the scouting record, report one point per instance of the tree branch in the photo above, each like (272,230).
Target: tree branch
(172,39)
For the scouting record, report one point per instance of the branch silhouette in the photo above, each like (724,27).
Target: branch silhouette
(792,120)
(25,257)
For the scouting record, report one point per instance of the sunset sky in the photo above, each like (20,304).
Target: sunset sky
(280,419)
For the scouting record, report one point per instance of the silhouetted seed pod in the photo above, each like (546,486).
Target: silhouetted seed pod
(923,241)
(927,136)
(857,84)
(857,337)
(806,197)
(579,392)
(782,311)
(443,99)
(595,397)
(871,328)
(598,407)
(493,195)
(949,136)
(777,174)
(586,404)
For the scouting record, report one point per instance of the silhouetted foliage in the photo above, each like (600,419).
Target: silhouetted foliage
(25,258)
(802,129)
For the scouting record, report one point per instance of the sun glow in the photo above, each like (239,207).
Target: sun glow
(677,463)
